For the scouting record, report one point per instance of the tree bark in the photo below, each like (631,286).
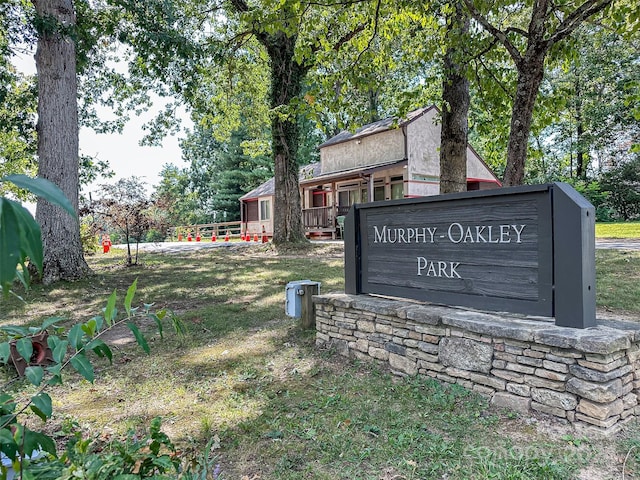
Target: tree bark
(530,73)
(455,113)
(286,84)
(581,168)
(57,130)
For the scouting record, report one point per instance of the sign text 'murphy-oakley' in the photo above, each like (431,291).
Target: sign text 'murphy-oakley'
(455,233)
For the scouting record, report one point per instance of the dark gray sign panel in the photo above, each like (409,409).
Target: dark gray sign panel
(491,250)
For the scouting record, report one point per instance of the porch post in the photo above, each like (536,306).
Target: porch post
(334,208)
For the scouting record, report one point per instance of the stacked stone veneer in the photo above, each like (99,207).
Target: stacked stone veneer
(588,377)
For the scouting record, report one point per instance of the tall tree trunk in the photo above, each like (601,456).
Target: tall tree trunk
(374,103)
(58,139)
(286,84)
(530,73)
(455,112)
(581,169)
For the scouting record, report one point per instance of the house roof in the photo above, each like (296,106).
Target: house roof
(376,127)
(351,172)
(268,188)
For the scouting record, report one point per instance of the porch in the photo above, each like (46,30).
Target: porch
(320,221)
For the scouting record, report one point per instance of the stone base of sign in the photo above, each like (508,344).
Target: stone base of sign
(590,377)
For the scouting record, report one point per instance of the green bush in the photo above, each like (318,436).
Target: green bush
(88,239)
(622,183)
(592,191)
(154,235)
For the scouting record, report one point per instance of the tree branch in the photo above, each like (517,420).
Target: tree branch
(497,33)
(484,51)
(539,16)
(241,6)
(577,17)
(373,36)
(517,30)
(493,75)
(240,39)
(346,38)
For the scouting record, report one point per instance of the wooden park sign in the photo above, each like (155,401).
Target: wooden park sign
(527,250)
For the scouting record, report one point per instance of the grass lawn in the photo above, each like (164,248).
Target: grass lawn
(282,409)
(618,281)
(618,230)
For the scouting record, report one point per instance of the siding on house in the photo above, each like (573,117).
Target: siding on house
(363,151)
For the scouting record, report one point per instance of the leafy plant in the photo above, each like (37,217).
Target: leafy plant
(153,455)
(155,235)
(72,348)
(33,453)
(623,185)
(20,240)
(88,239)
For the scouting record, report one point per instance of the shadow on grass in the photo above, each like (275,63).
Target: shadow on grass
(283,409)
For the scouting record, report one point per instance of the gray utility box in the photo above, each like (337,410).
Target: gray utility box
(294,295)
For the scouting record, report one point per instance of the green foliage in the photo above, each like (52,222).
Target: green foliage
(592,90)
(220,172)
(152,455)
(147,454)
(18,141)
(155,235)
(592,190)
(88,238)
(73,349)
(389,65)
(175,198)
(19,241)
(622,183)
(20,234)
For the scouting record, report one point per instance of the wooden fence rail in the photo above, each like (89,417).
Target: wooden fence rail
(205,231)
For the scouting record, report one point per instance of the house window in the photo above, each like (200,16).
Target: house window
(349,194)
(397,187)
(344,198)
(378,190)
(265,209)
(319,198)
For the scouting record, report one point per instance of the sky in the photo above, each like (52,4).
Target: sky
(123,152)
(126,157)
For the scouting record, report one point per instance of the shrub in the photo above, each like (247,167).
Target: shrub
(154,235)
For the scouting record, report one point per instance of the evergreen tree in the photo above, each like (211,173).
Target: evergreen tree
(222,171)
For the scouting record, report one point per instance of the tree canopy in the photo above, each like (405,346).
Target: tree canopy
(261,77)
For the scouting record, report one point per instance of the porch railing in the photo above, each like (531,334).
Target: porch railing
(342,211)
(318,217)
(322,218)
